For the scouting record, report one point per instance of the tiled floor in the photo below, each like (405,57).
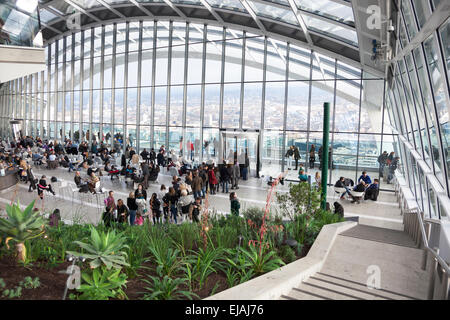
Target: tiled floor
(252,193)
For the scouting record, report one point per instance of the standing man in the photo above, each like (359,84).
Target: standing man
(288,155)
(145,173)
(197,184)
(296,156)
(382,161)
(145,155)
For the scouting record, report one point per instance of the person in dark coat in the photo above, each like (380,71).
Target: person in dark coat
(372,191)
(224,178)
(42,185)
(122,212)
(338,209)
(160,158)
(145,173)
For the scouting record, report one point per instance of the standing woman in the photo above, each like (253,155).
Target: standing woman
(31,179)
(132,207)
(212,180)
(141,200)
(235,205)
(172,199)
(155,205)
(312,156)
(122,212)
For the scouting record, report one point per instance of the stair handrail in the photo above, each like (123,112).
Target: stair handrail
(436,255)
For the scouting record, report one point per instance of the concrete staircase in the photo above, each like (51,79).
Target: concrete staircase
(354,254)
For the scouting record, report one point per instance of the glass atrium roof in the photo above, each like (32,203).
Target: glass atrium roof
(326,24)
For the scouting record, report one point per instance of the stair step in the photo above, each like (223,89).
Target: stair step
(350,290)
(300,294)
(325,290)
(359,288)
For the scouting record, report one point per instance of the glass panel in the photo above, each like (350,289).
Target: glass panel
(178,51)
(329,9)
(332,30)
(160,106)
(233,57)
(343,158)
(274,105)
(297,109)
(231,105)
(227,4)
(322,91)
(272,153)
(251,117)
(439,89)
(422,9)
(276,61)
(276,13)
(193,99)
(176,106)
(212,105)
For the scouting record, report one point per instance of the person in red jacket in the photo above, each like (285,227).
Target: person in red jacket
(212,180)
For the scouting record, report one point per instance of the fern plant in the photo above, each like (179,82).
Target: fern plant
(20,226)
(104,248)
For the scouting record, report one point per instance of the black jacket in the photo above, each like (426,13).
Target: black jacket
(131,203)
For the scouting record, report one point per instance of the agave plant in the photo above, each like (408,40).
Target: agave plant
(261,263)
(104,248)
(102,285)
(21,226)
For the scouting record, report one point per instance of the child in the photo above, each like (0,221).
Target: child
(235,205)
(139,220)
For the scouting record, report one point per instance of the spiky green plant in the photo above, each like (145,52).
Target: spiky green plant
(102,284)
(166,288)
(106,248)
(20,226)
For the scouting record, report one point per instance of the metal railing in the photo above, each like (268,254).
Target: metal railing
(420,229)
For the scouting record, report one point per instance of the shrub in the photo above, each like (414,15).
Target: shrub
(104,248)
(166,288)
(103,284)
(287,254)
(21,226)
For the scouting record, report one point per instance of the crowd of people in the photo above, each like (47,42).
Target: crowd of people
(183,199)
(365,186)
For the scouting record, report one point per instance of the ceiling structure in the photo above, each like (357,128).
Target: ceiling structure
(336,28)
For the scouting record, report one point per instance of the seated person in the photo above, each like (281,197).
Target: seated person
(338,209)
(302,176)
(52,163)
(37,158)
(129,171)
(341,184)
(92,182)
(372,191)
(154,171)
(112,170)
(82,186)
(95,170)
(359,188)
(365,178)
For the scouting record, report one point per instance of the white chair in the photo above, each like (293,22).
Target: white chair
(357,195)
(339,191)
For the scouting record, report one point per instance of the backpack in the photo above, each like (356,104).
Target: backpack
(54,179)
